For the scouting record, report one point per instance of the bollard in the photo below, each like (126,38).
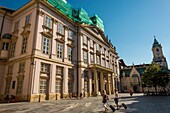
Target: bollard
(39,98)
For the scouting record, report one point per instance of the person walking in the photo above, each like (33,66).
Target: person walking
(116,97)
(105,98)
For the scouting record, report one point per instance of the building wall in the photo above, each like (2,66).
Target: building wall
(39,78)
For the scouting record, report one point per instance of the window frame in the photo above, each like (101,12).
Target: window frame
(21,67)
(45,68)
(70,51)
(48,21)
(60,29)
(5,45)
(24,44)
(43,87)
(85,39)
(12,49)
(98,60)
(28,19)
(19,86)
(71,35)
(60,50)
(91,44)
(92,58)
(46,45)
(85,56)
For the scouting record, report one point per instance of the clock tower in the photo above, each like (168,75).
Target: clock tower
(158,56)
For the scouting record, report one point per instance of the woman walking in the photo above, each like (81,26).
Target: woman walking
(105,98)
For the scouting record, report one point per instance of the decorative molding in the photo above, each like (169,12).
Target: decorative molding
(47,34)
(61,40)
(25,33)
(41,13)
(71,45)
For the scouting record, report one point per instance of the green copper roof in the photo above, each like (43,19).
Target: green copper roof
(156,44)
(80,15)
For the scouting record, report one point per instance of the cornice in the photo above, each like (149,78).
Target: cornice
(30,3)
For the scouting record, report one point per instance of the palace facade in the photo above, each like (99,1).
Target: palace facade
(49,50)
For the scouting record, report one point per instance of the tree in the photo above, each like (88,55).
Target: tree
(150,76)
(155,76)
(164,78)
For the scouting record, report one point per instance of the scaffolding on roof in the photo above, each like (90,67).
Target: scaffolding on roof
(80,15)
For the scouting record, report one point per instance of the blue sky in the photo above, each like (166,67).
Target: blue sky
(130,24)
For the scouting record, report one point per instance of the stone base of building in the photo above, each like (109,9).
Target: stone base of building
(65,95)
(1,97)
(18,98)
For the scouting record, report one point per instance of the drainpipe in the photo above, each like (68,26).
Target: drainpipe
(2,25)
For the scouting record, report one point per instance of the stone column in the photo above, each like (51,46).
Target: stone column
(95,83)
(90,83)
(108,79)
(101,81)
(52,82)
(65,82)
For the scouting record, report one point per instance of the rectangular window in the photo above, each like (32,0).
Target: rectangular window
(107,53)
(59,50)
(85,40)
(19,86)
(16,27)
(24,45)
(85,56)
(71,34)
(92,58)
(7,88)
(12,51)
(97,47)
(10,69)
(59,70)
(69,53)
(43,86)
(13,84)
(48,21)
(27,19)
(98,60)
(91,44)
(58,86)
(46,45)
(45,68)
(107,64)
(5,45)
(104,62)
(21,66)
(60,29)
(102,50)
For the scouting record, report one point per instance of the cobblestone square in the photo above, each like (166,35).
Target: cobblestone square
(136,104)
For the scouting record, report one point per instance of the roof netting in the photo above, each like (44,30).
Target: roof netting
(79,15)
